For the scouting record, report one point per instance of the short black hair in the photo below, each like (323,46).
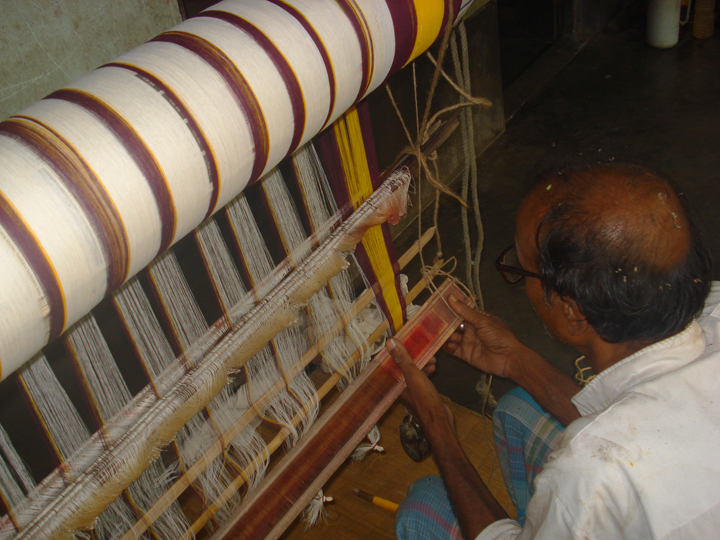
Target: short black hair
(623,293)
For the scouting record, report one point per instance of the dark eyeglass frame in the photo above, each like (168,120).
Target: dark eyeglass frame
(504,269)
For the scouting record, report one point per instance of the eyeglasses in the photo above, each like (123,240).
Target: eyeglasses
(509,266)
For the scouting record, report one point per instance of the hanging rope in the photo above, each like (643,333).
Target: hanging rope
(469,173)
(469,182)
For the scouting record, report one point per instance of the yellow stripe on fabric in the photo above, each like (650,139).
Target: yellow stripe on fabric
(374,243)
(352,154)
(429,15)
(359,184)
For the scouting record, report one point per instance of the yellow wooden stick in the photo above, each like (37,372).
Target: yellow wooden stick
(377,501)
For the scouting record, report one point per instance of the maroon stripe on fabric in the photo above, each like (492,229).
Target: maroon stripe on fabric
(405,23)
(377,179)
(297,192)
(366,53)
(244,95)
(39,262)
(329,154)
(137,149)
(283,66)
(188,119)
(81,181)
(261,208)
(320,47)
(363,110)
(456,4)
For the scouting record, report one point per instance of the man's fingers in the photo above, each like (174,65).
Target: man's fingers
(430,367)
(471,315)
(421,396)
(403,360)
(398,352)
(455,337)
(401,357)
(450,347)
(478,319)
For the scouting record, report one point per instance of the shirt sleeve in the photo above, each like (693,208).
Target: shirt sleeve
(504,529)
(547,519)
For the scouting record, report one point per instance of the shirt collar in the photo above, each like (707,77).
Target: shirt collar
(654,360)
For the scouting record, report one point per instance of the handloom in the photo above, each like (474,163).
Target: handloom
(99,179)
(267,511)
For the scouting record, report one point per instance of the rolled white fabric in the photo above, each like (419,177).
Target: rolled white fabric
(103,175)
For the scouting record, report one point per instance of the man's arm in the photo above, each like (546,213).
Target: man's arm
(474,505)
(549,386)
(490,346)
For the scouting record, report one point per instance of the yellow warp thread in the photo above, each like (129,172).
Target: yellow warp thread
(359,184)
(429,15)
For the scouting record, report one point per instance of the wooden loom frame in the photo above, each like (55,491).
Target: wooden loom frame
(185,481)
(285,492)
(438,137)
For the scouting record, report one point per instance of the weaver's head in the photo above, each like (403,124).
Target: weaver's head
(621,245)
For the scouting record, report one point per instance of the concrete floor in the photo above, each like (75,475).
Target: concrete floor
(617,100)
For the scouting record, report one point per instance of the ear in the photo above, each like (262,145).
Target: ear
(576,322)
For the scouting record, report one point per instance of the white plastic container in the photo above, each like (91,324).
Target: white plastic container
(663,23)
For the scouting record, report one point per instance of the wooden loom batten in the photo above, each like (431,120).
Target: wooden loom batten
(286,491)
(284,432)
(184,481)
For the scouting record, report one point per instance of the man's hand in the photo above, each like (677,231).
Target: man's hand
(474,505)
(421,396)
(486,343)
(490,346)
(430,367)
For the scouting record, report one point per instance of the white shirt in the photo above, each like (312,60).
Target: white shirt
(644,459)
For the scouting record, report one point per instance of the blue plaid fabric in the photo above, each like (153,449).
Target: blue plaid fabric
(525,434)
(426,513)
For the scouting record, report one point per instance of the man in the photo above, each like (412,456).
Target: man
(617,268)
